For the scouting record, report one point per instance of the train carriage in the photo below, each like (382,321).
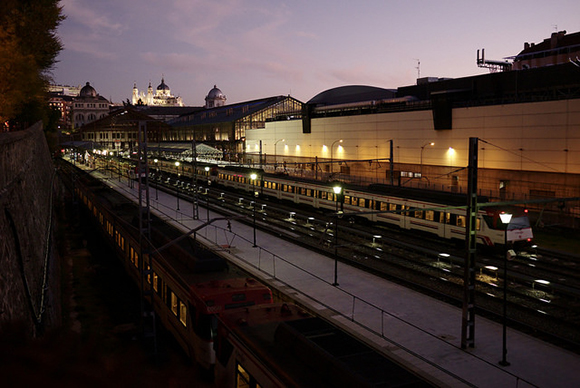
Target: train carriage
(280,345)
(190,285)
(431,212)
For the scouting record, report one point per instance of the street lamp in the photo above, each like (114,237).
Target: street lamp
(207,192)
(275,153)
(331,151)
(505,219)
(337,191)
(422,148)
(177,186)
(253,177)
(156,176)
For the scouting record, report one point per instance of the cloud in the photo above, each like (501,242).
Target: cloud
(95,22)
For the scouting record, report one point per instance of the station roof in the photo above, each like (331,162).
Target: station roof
(226,113)
(185,148)
(351,93)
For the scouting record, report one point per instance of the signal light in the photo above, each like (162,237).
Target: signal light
(525,210)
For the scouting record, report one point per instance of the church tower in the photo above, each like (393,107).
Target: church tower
(135,97)
(150,94)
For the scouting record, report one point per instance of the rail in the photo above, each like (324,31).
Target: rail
(357,310)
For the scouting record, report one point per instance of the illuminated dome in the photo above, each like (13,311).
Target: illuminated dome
(215,98)
(162,85)
(215,93)
(88,91)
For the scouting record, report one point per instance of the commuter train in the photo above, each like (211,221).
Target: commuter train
(189,285)
(431,212)
(281,345)
(229,324)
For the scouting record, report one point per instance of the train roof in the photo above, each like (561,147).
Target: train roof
(308,351)
(221,294)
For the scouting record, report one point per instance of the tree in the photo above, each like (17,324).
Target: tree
(28,50)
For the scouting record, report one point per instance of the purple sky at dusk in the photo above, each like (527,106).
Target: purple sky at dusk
(260,48)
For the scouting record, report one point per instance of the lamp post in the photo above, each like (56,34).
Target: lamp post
(275,152)
(157,177)
(176,185)
(422,148)
(206,168)
(505,219)
(331,154)
(337,191)
(253,178)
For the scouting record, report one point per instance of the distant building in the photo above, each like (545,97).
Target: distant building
(118,131)
(64,104)
(215,98)
(161,97)
(88,106)
(557,49)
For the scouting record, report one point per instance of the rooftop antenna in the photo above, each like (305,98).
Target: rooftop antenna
(418,67)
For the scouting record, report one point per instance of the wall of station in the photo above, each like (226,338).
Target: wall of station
(29,277)
(526,150)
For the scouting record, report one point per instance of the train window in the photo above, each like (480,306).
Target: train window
(461,221)
(274,186)
(173,303)
(477,224)
(302,191)
(354,201)
(323,194)
(429,215)
(156,282)
(383,206)
(418,213)
(451,219)
(347,199)
(309,192)
(182,313)
(393,207)
(244,379)
(362,202)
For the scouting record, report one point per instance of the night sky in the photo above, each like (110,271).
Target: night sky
(261,48)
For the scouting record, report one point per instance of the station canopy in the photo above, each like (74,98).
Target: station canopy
(185,150)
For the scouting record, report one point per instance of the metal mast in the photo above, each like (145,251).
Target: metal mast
(145,248)
(468,316)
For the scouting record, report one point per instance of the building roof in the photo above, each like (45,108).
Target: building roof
(162,85)
(88,91)
(351,93)
(551,45)
(124,117)
(226,113)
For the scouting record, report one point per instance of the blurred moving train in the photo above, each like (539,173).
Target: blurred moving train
(281,345)
(189,284)
(438,213)
(228,323)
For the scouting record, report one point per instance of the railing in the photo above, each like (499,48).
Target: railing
(358,310)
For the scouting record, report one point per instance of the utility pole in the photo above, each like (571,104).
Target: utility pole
(468,315)
(143,257)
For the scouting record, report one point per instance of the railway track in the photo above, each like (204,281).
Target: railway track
(543,289)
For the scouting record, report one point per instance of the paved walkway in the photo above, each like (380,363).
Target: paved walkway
(420,331)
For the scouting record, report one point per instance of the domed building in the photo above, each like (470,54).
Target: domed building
(215,98)
(162,96)
(88,106)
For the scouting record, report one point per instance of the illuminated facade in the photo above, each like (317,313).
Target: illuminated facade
(88,106)
(161,97)
(225,127)
(528,131)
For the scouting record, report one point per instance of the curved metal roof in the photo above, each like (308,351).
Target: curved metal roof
(351,93)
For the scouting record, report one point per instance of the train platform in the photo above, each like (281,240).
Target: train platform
(418,331)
